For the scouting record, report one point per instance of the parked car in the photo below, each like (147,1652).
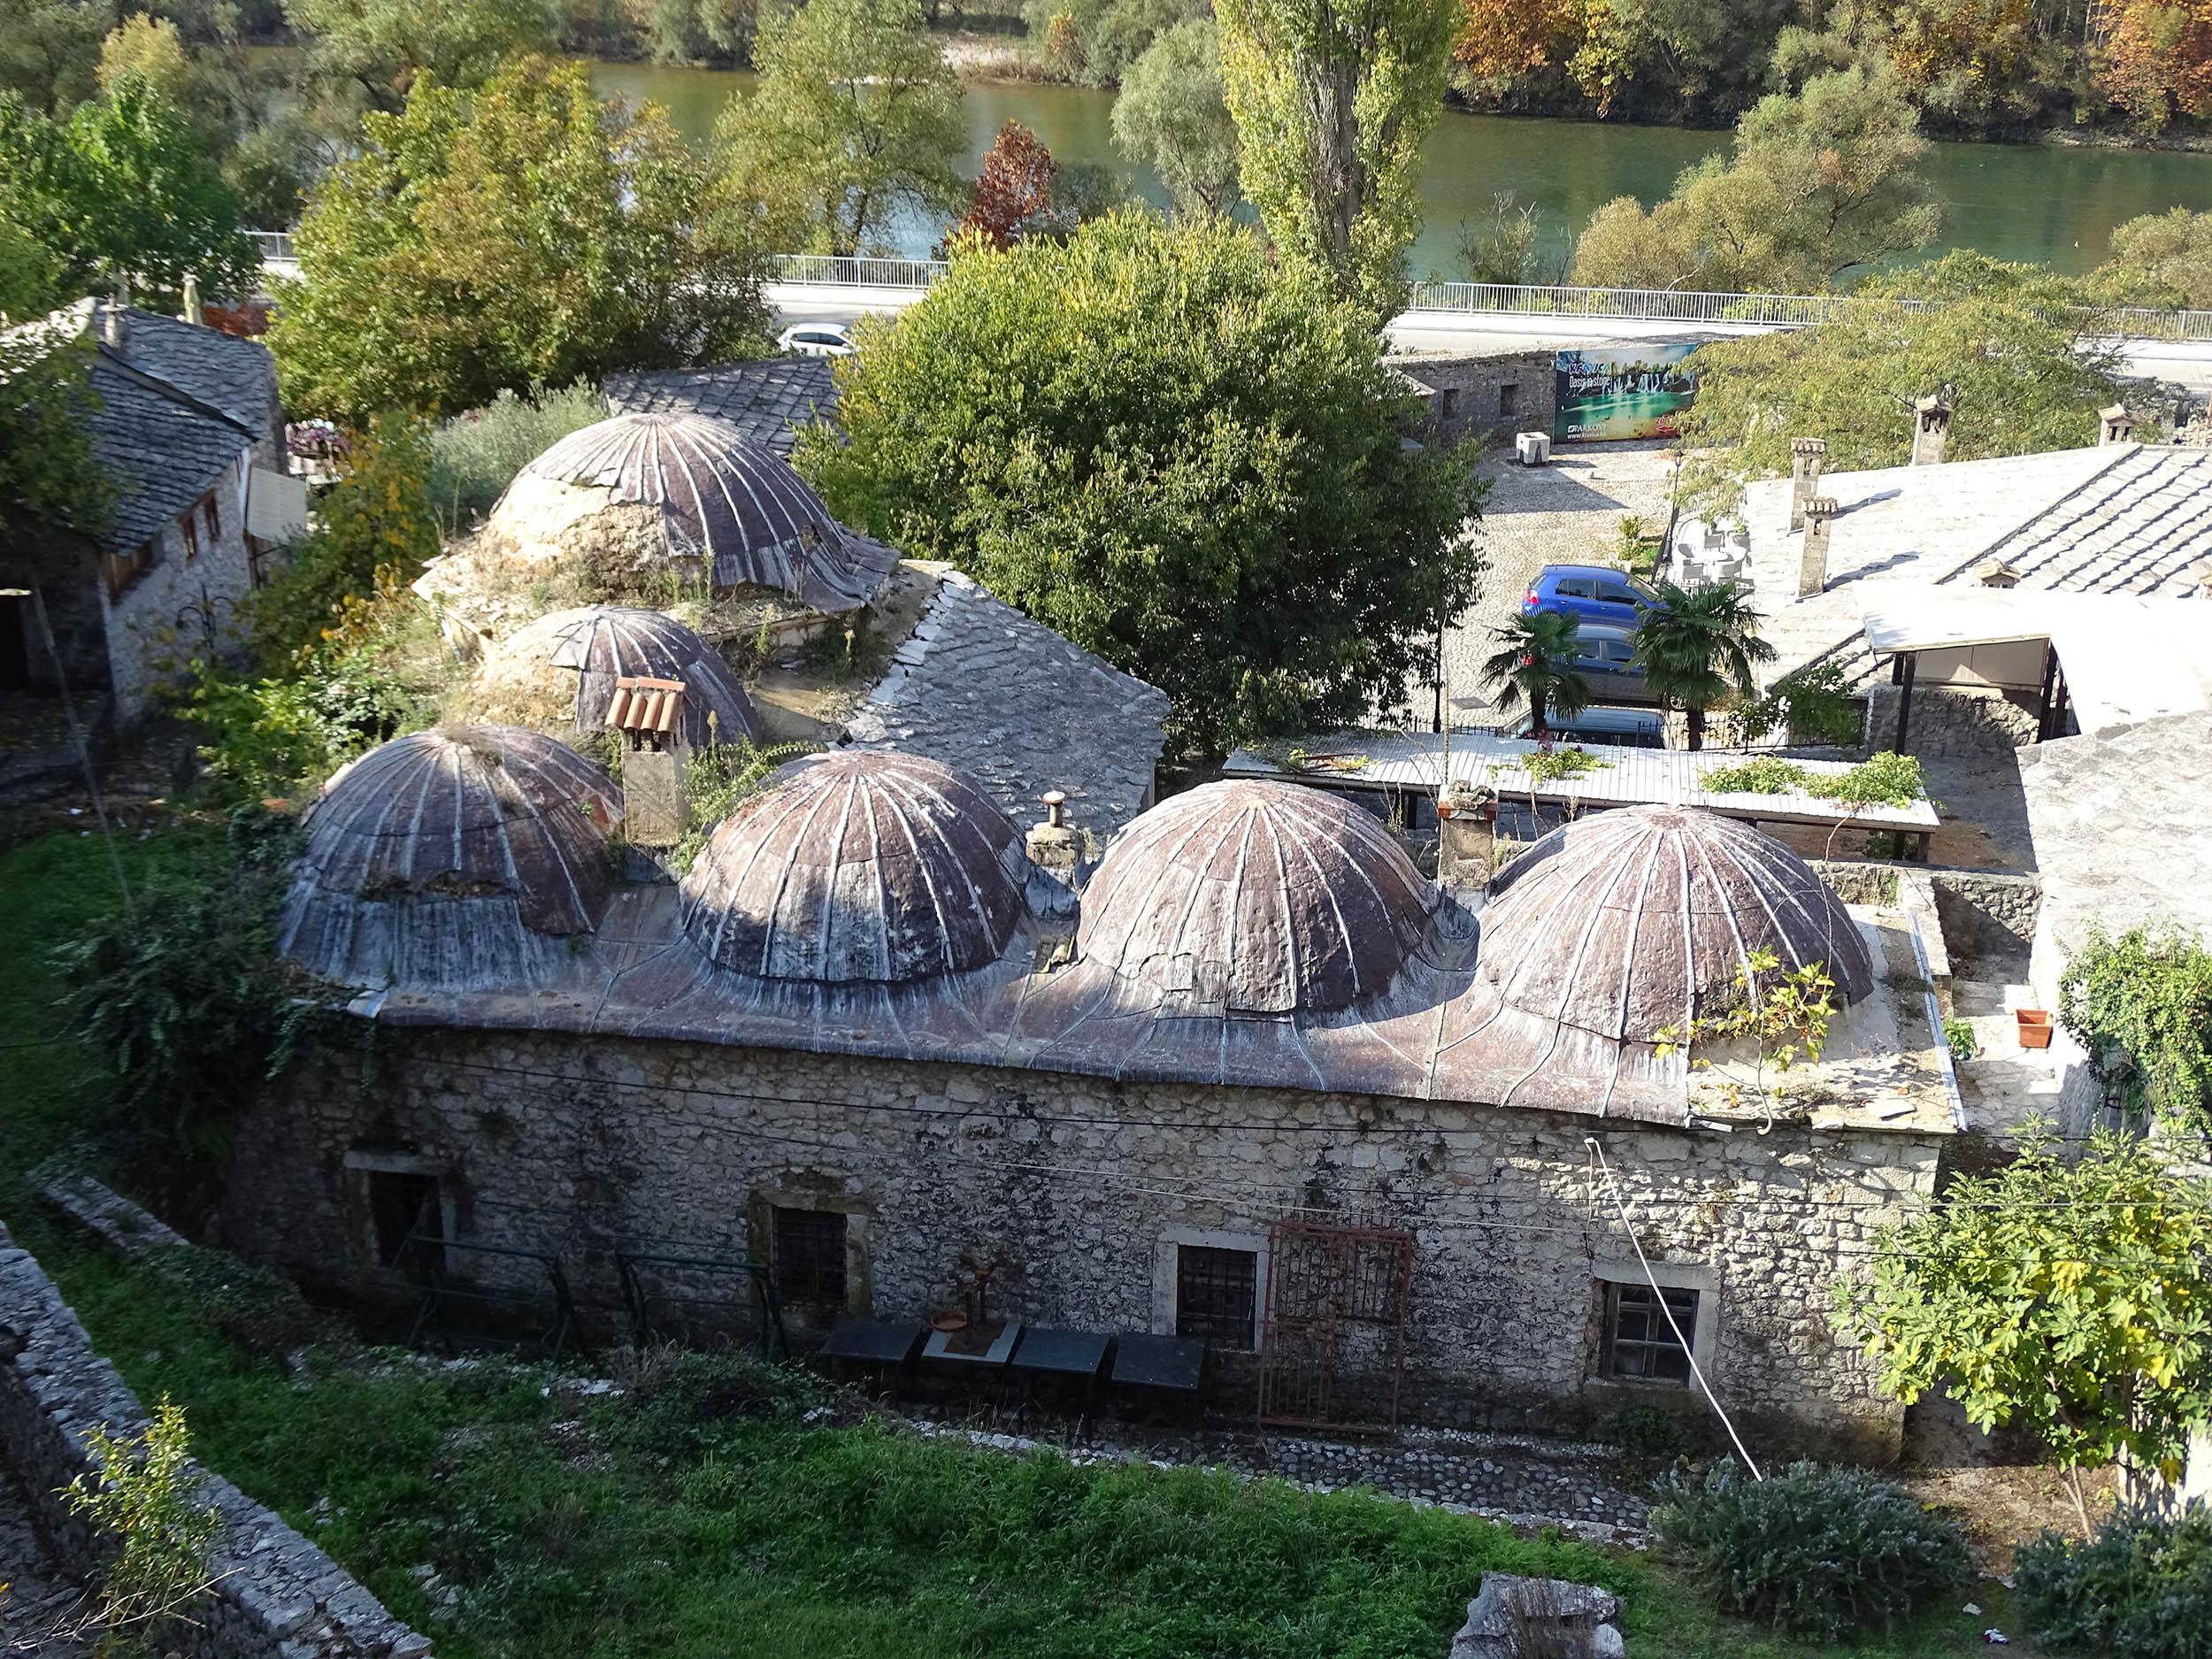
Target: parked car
(1607,728)
(1589,593)
(816,340)
(1606,656)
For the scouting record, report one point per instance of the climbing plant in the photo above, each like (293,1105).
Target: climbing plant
(1783,1016)
(2141,1005)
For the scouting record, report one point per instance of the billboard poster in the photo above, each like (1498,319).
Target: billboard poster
(1625,391)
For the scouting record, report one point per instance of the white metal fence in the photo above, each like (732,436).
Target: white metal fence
(276,246)
(854,270)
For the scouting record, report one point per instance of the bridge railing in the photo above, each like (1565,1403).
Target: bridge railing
(276,246)
(854,270)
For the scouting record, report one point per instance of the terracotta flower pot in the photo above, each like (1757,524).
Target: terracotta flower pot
(2035,1027)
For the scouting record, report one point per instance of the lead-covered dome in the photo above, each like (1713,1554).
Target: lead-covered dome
(858,867)
(430,856)
(1258,898)
(561,670)
(626,497)
(1628,922)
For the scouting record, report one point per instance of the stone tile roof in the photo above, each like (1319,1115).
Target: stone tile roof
(1011,704)
(768,400)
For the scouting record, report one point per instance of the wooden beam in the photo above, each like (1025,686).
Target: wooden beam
(1911,660)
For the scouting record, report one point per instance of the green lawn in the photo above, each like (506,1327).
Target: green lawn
(700,1514)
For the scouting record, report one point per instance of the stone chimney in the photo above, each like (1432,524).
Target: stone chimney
(2116,425)
(115,317)
(1812,565)
(1807,455)
(1466,834)
(1055,845)
(1930,429)
(1997,573)
(648,718)
(190,311)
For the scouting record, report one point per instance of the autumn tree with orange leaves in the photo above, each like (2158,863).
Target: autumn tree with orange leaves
(2158,58)
(1013,193)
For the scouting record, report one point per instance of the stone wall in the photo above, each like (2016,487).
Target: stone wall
(1987,914)
(1085,1191)
(1943,723)
(279,1596)
(143,635)
(1492,394)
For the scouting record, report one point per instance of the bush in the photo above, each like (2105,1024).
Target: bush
(2141,1585)
(474,456)
(1817,1552)
(1812,704)
(275,737)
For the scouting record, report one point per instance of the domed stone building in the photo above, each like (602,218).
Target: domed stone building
(1368,1145)
(560,672)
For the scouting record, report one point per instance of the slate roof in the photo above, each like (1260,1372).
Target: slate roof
(768,400)
(1011,704)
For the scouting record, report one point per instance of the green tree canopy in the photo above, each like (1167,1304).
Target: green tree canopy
(1699,646)
(366,55)
(1821,182)
(2071,1299)
(1173,116)
(2027,368)
(47,477)
(1178,458)
(522,234)
(856,120)
(49,50)
(1331,99)
(2141,1005)
(2160,260)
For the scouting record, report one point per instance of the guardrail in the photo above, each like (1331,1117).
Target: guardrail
(276,246)
(854,270)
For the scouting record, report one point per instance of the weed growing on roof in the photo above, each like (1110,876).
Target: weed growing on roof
(1886,779)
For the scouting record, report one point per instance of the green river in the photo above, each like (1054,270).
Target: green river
(2015,202)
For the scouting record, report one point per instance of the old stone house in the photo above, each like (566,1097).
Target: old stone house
(1251,1078)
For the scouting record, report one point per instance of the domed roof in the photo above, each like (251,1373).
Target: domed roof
(1627,922)
(1259,897)
(858,867)
(562,667)
(722,500)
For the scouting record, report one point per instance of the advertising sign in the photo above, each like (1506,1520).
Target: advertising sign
(1625,391)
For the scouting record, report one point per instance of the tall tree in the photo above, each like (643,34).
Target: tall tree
(1173,116)
(49,51)
(2158,59)
(1183,459)
(1331,99)
(856,120)
(1698,645)
(1534,664)
(1013,190)
(366,55)
(47,477)
(523,234)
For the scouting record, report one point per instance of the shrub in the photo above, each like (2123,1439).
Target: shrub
(270,737)
(474,456)
(1812,704)
(1884,779)
(144,1498)
(1815,1551)
(2141,1585)
(2141,1005)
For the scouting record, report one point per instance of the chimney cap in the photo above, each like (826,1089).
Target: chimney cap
(1932,402)
(2118,412)
(1821,507)
(642,707)
(1809,446)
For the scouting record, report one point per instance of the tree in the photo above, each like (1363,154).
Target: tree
(1503,247)
(2160,260)
(525,233)
(2158,59)
(1698,645)
(856,120)
(1820,183)
(49,50)
(49,479)
(1173,116)
(1097,42)
(2028,367)
(2141,1006)
(1332,100)
(122,188)
(366,54)
(1180,457)
(1533,664)
(1013,191)
(2069,1299)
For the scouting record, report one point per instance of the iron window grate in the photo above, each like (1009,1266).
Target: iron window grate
(810,1256)
(1639,1343)
(1216,1294)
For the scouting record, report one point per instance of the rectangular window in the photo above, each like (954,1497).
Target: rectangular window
(808,1255)
(1509,399)
(1451,401)
(1216,1294)
(214,525)
(405,1206)
(1638,1340)
(191,537)
(123,569)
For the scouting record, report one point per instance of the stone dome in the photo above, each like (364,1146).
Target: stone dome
(1258,898)
(1629,921)
(858,867)
(429,854)
(631,494)
(561,670)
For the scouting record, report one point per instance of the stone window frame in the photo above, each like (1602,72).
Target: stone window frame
(1704,1329)
(1165,1258)
(859,1215)
(360,1164)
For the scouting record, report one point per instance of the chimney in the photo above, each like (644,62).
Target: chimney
(1997,573)
(2116,425)
(1807,455)
(1466,834)
(1812,565)
(191,312)
(1054,846)
(648,718)
(115,317)
(1930,428)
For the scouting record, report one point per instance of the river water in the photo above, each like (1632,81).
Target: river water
(2049,203)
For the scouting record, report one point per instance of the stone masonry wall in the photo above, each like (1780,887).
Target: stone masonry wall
(1944,723)
(279,1596)
(143,634)
(1466,394)
(1085,1189)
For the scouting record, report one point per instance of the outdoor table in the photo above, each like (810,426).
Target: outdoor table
(1062,1353)
(1160,1365)
(886,1343)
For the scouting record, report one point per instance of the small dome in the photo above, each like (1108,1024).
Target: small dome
(1627,922)
(641,491)
(1259,897)
(854,865)
(561,669)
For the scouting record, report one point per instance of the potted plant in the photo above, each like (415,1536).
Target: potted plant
(2035,1027)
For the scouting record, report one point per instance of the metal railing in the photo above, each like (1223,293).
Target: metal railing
(854,270)
(276,246)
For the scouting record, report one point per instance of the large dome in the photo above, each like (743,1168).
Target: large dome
(562,669)
(1628,922)
(858,867)
(425,854)
(1257,897)
(641,491)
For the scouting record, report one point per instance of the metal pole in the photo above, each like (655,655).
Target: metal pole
(1904,697)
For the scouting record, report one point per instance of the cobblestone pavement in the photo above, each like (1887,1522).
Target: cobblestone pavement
(30,1590)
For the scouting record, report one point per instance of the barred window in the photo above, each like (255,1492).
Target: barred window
(1638,1340)
(810,1256)
(1215,1294)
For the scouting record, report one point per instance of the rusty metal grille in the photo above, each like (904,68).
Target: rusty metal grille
(1216,1294)
(810,1256)
(1640,1342)
(1332,1347)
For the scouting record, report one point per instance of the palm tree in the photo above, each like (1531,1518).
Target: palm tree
(1697,645)
(1537,664)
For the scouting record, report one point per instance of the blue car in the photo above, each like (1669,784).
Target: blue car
(1589,593)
